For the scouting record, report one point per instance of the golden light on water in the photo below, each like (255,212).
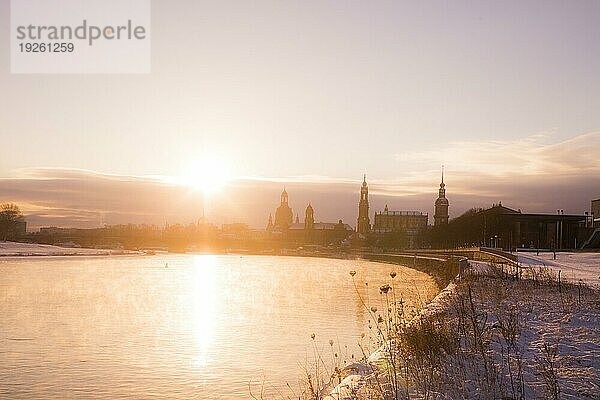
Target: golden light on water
(205,305)
(185,326)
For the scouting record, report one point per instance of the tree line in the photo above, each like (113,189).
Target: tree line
(11,221)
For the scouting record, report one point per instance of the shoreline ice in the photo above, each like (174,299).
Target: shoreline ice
(16,249)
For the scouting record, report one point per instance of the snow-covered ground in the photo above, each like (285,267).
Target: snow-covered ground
(555,350)
(562,327)
(13,249)
(574,266)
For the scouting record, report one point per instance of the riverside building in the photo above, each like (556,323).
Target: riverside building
(307,232)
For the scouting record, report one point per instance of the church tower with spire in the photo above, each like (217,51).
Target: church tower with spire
(309,224)
(363,225)
(440,217)
(309,218)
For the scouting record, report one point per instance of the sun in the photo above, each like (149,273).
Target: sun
(206,174)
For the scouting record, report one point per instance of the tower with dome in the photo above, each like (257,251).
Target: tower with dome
(440,217)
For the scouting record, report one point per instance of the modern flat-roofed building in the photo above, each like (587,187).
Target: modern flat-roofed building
(509,229)
(596,212)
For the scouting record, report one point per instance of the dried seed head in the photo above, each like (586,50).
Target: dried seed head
(385,288)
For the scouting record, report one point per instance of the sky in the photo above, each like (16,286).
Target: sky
(311,95)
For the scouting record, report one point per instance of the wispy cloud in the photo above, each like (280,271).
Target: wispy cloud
(531,173)
(532,155)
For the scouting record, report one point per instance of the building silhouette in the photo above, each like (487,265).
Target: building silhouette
(440,217)
(292,231)
(409,222)
(406,226)
(593,241)
(509,229)
(309,217)
(283,215)
(596,213)
(363,225)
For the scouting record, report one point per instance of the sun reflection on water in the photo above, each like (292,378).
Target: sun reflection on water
(204,305)
(184,326)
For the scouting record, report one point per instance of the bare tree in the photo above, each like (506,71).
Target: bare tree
(11,218)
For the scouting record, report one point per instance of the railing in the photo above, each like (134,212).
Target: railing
(499,253)
(445,265)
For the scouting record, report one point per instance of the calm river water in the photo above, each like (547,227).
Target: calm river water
(180,326)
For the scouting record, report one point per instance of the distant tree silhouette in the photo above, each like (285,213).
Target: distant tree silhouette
(464,230)
(469,213)
(10,219)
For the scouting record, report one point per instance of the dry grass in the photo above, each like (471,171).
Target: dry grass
(495,338)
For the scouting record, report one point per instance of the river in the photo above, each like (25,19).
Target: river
(183,326)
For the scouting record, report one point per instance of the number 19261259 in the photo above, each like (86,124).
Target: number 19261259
(37,47)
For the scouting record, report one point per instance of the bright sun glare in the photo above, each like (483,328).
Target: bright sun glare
(206,174)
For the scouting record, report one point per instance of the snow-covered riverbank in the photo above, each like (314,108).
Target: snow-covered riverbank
(14,249)
(504,338)
(573,266)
